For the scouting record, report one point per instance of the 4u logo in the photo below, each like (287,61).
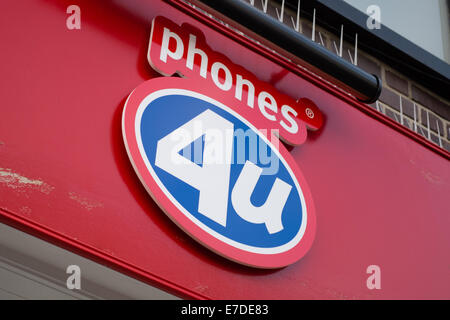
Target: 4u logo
(230,186)
(214,143)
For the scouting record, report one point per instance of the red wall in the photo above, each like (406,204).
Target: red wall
(381,194)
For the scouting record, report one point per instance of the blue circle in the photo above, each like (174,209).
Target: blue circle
(164,115)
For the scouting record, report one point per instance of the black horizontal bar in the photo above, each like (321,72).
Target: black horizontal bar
(364,86)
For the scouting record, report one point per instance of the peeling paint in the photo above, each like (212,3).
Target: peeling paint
(25,210)
(431,177)
(109,252)
(320,290)
(20,183)
(201,288)
(84,202)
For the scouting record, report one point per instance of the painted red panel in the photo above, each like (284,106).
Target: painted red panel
(381,196)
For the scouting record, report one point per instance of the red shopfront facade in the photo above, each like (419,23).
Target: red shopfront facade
(380,191)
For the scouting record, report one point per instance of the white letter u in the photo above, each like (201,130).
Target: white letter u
(270,212)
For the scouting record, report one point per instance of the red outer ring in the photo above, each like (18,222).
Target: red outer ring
(238,255)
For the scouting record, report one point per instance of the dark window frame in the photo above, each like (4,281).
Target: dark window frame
(384,44)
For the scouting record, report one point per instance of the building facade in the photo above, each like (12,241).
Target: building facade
(90,209)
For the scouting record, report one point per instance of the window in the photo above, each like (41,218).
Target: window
(425,23)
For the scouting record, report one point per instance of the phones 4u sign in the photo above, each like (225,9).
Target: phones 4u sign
(206,146)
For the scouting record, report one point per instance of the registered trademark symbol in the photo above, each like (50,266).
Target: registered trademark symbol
(309,113)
